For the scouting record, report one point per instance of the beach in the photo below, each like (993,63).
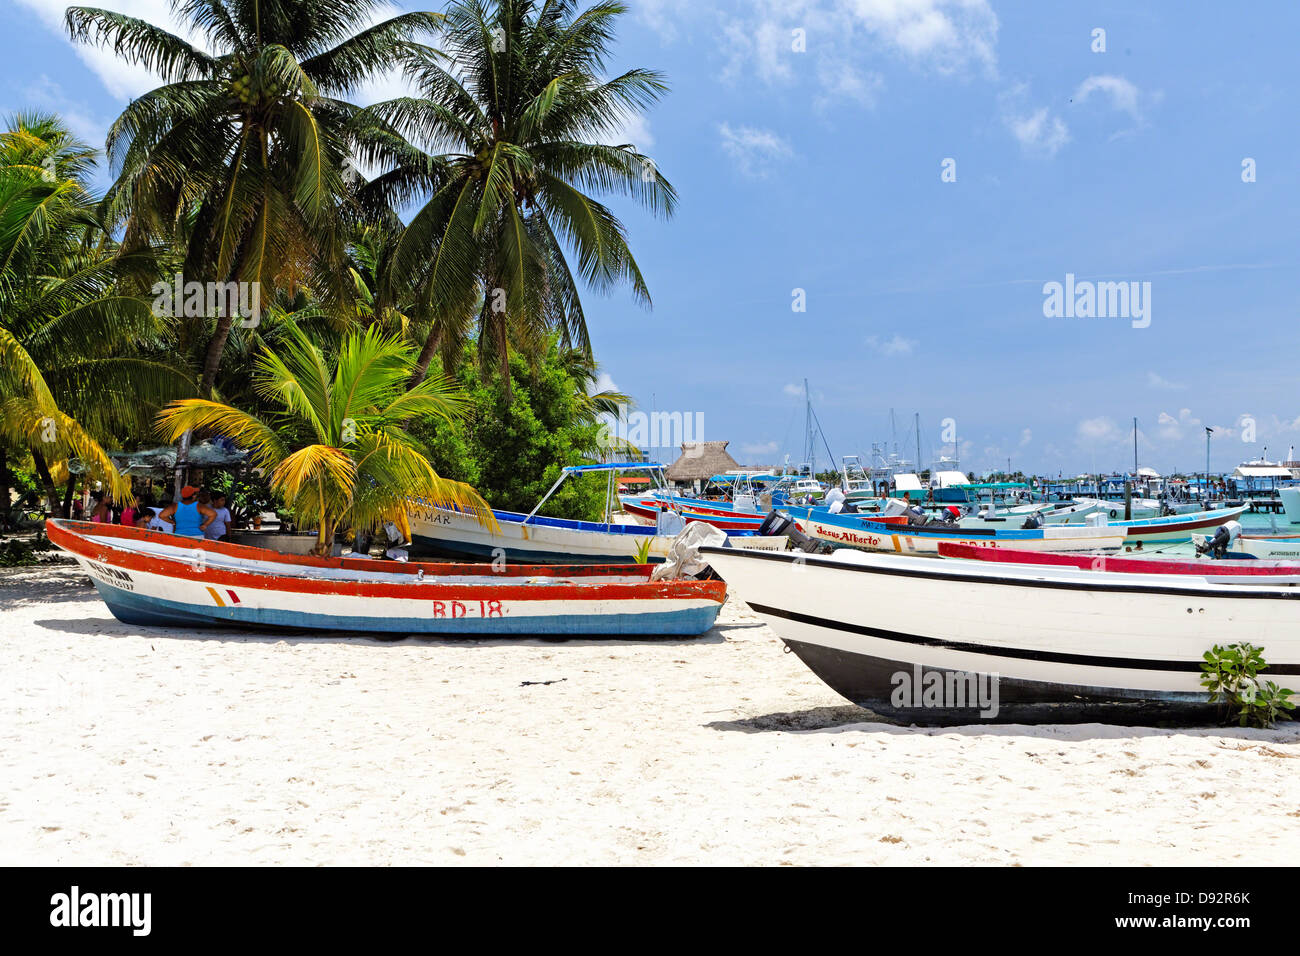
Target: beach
(128,745)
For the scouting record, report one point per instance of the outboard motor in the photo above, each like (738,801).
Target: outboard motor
(1217,547)
(1032,523)
(777,523)
(397,543)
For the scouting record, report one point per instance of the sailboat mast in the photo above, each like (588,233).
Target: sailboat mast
(810,450)
(918,443)
(1135,449)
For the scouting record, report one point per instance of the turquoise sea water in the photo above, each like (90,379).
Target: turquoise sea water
(1250,523)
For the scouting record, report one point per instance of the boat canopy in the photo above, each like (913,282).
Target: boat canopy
(1262,471)
(949,479)
(615,466)
(907,482)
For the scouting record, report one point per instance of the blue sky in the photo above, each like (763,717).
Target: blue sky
(820,170)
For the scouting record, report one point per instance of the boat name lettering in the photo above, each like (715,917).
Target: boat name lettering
(109,575)
(458,609)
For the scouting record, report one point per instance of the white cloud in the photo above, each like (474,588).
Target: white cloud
(755,151)
(943,36)
(1172,428)
(44,93)
(1123,95)
(1026,436)
(1156,381)
(793,390)
(759,448)
(840,79)
(122,79)
(634,130)
(1039,131)
(606,384)
(1099,431)
(663,16)
(895,345)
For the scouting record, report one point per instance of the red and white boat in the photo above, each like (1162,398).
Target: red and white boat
(1229,570)
(153,578)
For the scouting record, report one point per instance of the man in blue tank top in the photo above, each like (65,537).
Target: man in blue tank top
(188,516)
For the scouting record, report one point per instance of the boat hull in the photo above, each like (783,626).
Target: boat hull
(902,539)
(450,533)
(159,580)
(1175,529)
(1057,645)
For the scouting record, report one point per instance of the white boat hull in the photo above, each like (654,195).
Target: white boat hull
(1055,538)
(1058,644)
(443,531)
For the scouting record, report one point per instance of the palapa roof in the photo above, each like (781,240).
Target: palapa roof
(701,460)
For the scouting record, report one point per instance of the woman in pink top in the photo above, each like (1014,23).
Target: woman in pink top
(102,513)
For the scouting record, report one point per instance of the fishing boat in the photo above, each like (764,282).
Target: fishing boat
(152,578)
(871,535)
(715,513)
(919,640)
(1173,529)
(1267,547)
(1265,572)
(534,538)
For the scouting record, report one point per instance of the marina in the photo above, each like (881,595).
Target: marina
(562,433)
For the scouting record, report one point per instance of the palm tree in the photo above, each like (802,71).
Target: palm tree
(338,450)
(243,156)
(512,115)
(72,373)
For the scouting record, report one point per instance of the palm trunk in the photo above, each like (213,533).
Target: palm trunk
(6,496)
(47,481)
(503,357)
(422,363)
(66,511)
(211,363)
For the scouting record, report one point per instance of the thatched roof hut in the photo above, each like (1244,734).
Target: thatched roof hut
(701,460)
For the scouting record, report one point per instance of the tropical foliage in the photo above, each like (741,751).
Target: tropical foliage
(72,369)
(410,237)
(512,448)
(338,450)
(515,113)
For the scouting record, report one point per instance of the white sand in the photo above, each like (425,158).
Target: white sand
(129,745)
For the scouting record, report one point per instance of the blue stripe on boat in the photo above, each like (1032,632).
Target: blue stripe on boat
(132,608)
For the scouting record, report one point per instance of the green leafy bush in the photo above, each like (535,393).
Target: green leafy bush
(1232,676)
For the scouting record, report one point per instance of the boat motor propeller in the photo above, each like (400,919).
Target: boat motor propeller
(1217,547)
(777,523)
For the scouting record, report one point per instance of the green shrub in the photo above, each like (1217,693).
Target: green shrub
(1232,676)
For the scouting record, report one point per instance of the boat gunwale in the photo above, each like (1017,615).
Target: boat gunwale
(944,570)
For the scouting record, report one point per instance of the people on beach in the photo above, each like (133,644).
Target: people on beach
(221,523)
(103,512)
(189,517)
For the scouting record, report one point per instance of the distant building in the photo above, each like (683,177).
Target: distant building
(700,461)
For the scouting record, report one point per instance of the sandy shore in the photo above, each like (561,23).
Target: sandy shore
(128,745)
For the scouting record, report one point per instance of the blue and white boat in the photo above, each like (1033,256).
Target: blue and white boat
(536,538)
(848,530)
